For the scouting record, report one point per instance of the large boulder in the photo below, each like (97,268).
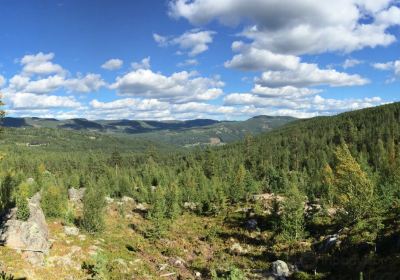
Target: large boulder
(31,237)
(280,269)
(76,195)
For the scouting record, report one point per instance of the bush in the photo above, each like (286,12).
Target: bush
(93,210)
(5,276)
(54,202)
(233,274)
(21,201)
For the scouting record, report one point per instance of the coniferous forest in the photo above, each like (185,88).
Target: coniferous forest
(321,195)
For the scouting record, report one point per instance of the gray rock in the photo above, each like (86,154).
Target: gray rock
(30,237)
(127,199)
(76,195)
(71,230)
(280,269)
(251,224)
(237,249)
(142,207)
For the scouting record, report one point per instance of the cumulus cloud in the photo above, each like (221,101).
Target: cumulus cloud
(391,65)
(40,64)
(179,87)
(143,64)
(192,42)
(316,105)
(254,59)
(299,27)
(306,75)
(30,101)
(188,62)
(112,64)
(351,62)
(2,81)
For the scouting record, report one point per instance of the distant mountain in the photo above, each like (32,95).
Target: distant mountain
(180,133)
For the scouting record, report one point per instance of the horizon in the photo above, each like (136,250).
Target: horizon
(186,60)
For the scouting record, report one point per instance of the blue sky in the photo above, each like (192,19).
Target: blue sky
(181,59)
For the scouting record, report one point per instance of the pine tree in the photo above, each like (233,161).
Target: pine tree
(291,222)
(93,209)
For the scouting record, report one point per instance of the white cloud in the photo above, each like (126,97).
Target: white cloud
(315,105)
(299,27)
(112,64)
(350,62)
(307,74)
(254,59)
(188,62)
(40,64)
(179,87)
(284,92)
(194,42)
(389,66)
(30,101)
(2,81)
(144,64)
(161,40)
(89,83)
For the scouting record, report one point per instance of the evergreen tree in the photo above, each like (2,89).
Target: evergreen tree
(93,209)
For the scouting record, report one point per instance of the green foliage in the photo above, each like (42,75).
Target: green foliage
(93,209)
(233,274)
(21,201)
(291,223)
(157,216)
(54,201)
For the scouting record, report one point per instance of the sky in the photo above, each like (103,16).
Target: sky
(188,59)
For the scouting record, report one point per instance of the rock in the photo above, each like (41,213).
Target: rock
(251,224)
(280,269)
(109,200)
(76,195)
(71,230)
(327,245)
(237,249)
(190,206)
(197,274)
(82,237)
(127,199)
(31,237)
(142,207)
(30,181)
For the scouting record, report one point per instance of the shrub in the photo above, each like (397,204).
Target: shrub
(54,201)
(21,201)
(93,210)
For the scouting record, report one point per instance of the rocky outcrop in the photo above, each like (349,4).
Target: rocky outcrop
(31,237)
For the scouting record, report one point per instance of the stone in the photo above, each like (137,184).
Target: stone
(251,224)
(142,207)
(31,237)
(197,274)
(280,269)
(237,249)
(190,206)
(127,199)
(109,200)
(71,230)
(76,195)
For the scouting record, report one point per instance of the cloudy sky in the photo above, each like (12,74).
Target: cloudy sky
(185,59)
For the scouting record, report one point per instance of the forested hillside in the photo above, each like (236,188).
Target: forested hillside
(330,200)
(174,133)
